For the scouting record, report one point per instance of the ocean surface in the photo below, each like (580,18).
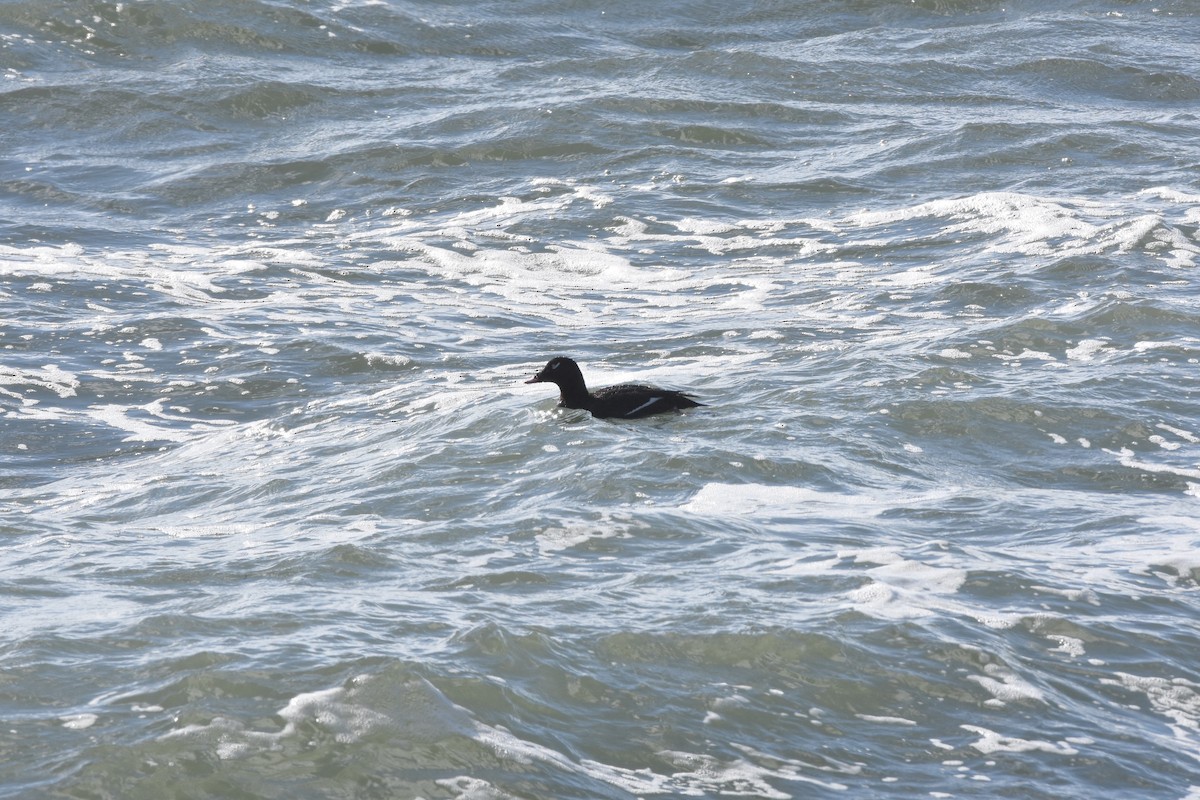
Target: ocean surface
(279,517)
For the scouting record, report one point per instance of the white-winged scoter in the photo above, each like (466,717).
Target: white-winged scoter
(625,400)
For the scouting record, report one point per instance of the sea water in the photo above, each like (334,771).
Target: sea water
(280,517)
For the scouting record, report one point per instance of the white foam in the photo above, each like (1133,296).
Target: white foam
(1187,436)
(700,774)
(183,272)
(1039,226)
(1145,346)
(1016,222)
(1128,458)
(1177,699)
(802,565)
(722,499)
(417,711)
(1086,595)
(1170,195)
(873,555)
(468,788)
(391,359)
(1006,686)
(920,576)
(50,377)
(556,538)
(908,589)
(1027,355)
(725,499)
(1010,221)
(336,711)
(119,417)
(885,720)
(704,227)
(204,529)
(1089,350)
(414,709)
(137,421)
(79,722)
(903,584)
(1067,644)
(992,742)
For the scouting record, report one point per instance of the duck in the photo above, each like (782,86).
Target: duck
(625,400)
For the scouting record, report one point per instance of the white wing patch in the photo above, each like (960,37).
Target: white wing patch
(646,404)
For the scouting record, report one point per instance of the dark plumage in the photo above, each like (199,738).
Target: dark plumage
(626,400)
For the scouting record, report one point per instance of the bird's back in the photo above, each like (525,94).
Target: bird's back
(633,400)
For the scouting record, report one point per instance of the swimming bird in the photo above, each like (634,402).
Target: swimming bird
(625,400)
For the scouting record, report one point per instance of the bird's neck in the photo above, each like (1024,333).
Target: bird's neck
(573,395)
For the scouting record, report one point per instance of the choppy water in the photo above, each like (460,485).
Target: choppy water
(280,518)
